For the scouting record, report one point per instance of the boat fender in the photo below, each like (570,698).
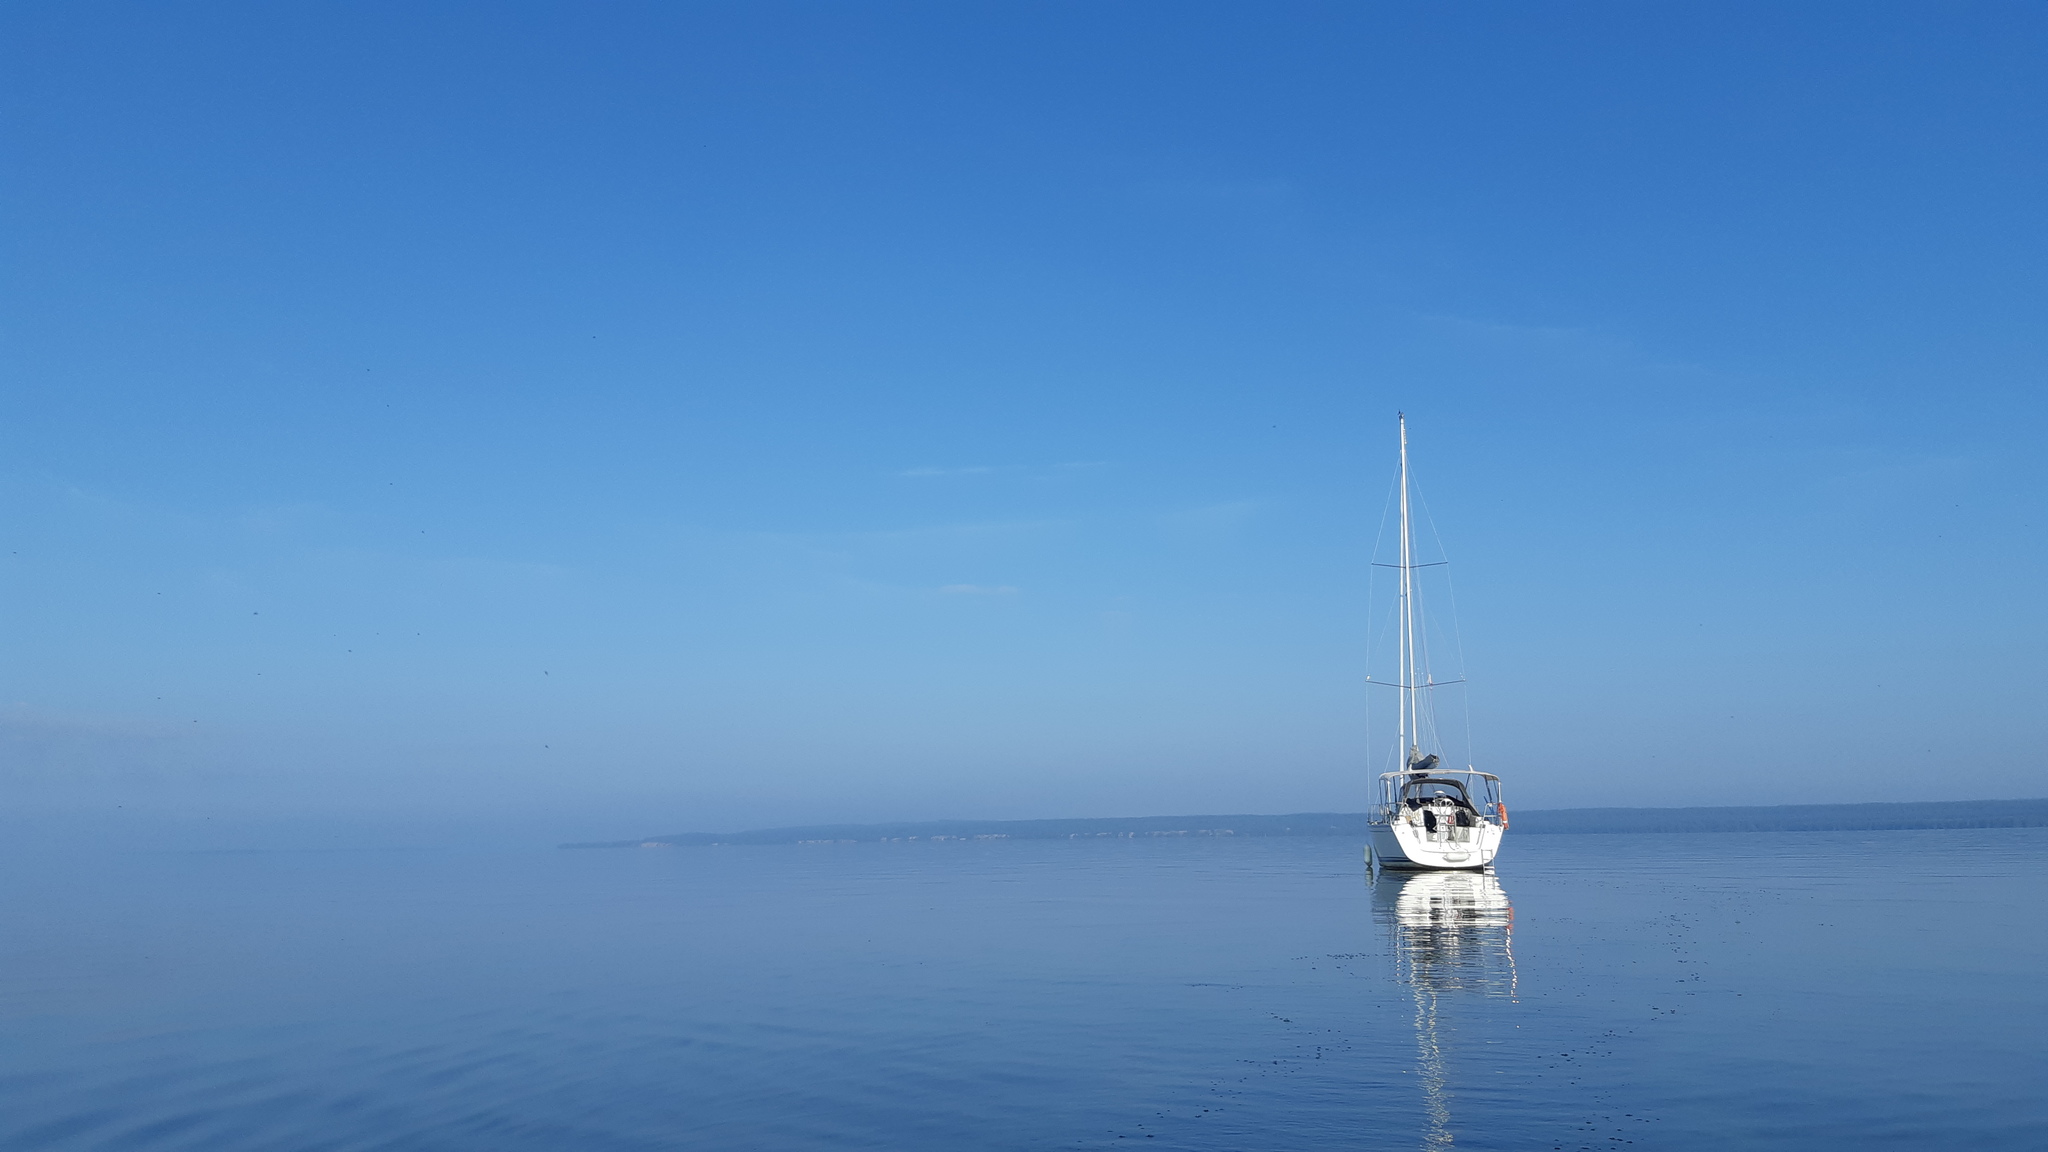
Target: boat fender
(1503,810)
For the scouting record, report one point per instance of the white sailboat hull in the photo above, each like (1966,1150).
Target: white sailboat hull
(1401,844)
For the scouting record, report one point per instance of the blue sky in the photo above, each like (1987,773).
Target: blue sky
(607,419)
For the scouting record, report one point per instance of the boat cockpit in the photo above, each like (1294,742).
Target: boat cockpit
(1449,798)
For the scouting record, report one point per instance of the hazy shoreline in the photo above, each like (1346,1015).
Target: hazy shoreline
(1556,821)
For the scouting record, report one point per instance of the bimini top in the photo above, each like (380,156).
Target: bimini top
(1413,789)
(1439,774)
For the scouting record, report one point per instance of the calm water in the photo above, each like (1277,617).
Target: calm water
(1794,991)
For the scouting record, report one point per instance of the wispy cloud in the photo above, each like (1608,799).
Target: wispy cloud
(1890,477)
(1567,344)
(928,473)
(1212,521)
(1064,468)
(1246,195)
(275,518)
(947,546)
(926,535)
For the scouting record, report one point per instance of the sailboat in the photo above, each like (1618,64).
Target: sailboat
(1427,815)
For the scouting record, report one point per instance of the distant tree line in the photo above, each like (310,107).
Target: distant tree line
(1775,818)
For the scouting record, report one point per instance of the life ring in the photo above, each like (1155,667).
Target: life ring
(1503,810)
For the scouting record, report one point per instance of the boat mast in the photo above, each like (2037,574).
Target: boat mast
(1411,721)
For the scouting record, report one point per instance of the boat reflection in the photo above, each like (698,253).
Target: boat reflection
(1452,934)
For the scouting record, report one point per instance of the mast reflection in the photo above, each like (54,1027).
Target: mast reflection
(1452,934)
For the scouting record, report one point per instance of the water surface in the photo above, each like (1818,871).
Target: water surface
(1772,990)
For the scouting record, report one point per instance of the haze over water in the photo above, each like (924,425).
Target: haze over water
(1787,991)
